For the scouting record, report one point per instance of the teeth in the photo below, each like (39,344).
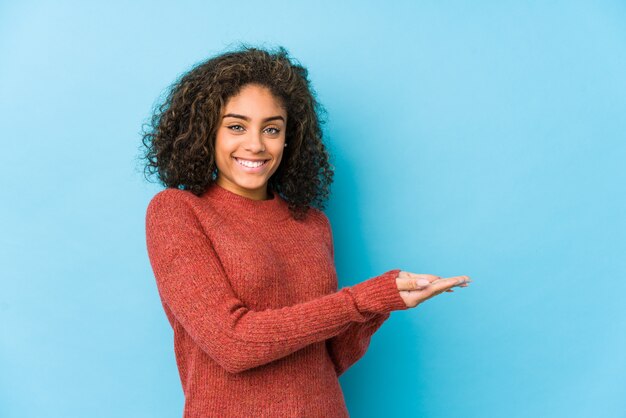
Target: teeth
(250,163)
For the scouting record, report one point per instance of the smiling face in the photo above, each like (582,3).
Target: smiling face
(251,131)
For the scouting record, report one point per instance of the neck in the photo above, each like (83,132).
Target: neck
(274,209)
(255,194)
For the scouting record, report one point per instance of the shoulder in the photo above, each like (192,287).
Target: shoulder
(168,199)
(172,203)
(168,196)
(320,220)
(316,216)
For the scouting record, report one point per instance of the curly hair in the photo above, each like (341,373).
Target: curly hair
(180,139)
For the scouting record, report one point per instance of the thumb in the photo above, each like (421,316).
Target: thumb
(422,283)
(412,283)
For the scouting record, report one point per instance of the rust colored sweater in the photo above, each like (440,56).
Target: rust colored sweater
(260,327)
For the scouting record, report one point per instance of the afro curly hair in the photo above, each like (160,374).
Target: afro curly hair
(179,142)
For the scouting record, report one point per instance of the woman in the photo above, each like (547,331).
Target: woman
(244,262)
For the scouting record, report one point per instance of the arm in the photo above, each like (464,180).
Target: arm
(192,283)
(349,346)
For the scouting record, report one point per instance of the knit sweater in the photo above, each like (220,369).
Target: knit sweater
(260,327)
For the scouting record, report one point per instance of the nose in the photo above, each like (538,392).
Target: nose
(254,142)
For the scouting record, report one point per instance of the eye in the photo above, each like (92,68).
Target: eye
(276,131)
(235,126)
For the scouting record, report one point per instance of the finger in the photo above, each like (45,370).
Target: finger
(444,284)
(412,284)
(463,281)
(416,281)
(430,277)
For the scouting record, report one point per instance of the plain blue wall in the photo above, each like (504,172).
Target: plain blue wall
(478,138)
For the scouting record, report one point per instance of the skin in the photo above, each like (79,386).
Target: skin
(254,139)
(259,138)
(416,288)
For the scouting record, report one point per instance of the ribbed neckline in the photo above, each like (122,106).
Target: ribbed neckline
(271,210)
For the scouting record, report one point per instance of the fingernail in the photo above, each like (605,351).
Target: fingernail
(423,282)
(460,281)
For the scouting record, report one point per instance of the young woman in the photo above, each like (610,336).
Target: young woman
(243,258)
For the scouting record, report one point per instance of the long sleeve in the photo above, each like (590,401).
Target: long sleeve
(350,345)
(193,285)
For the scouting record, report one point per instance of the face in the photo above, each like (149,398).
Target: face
(251,131)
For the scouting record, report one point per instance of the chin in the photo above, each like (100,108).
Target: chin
(251,184)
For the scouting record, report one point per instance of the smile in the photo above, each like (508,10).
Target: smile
(251,166)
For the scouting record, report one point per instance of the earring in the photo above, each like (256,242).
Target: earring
(285,144)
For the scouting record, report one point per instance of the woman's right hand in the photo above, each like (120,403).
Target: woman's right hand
(416,288)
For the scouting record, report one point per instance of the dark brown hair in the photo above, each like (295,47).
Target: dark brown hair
(180,139)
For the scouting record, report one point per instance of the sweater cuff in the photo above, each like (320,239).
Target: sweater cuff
(378,294)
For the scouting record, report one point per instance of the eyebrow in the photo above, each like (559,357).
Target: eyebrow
(246,118)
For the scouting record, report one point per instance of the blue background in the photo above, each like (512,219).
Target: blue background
(479,138)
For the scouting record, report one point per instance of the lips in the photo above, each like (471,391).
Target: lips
(249,168)
(249,159)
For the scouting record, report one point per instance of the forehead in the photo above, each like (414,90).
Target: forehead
(254,98)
